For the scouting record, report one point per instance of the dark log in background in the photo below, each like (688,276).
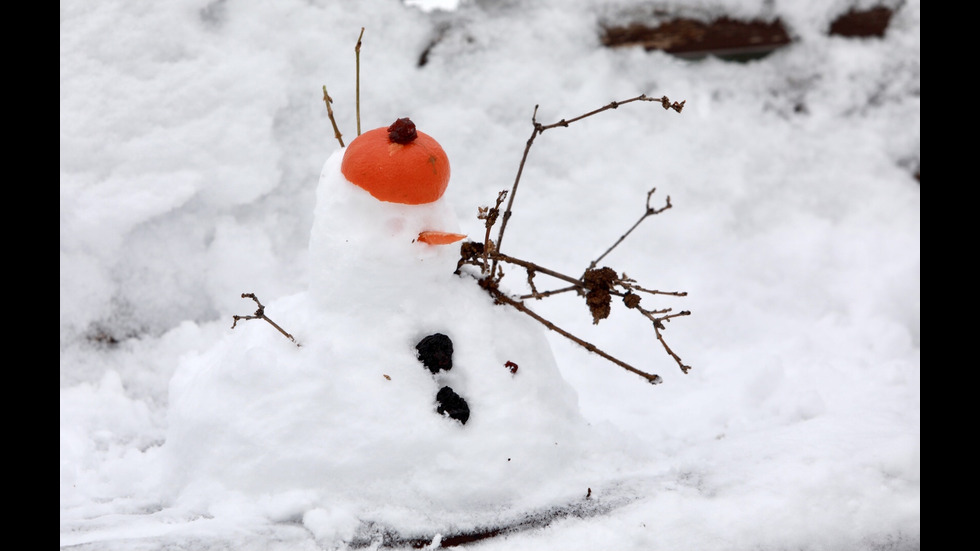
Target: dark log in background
(732,38)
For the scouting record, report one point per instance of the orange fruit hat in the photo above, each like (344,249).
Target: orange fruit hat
(397,164)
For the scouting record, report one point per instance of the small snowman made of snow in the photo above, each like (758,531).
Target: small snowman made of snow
(404,405)
(392,218)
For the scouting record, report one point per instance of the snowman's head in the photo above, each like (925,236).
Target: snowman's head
(380,207)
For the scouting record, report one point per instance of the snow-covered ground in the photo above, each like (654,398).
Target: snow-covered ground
(193,136)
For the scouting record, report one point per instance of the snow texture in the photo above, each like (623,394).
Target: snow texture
(198,163)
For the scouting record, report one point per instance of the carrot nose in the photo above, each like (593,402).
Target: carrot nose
(439,237)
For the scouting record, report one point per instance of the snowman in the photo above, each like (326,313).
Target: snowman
(413,401)
(393,219)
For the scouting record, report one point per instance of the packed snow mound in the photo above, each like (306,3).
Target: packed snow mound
(351,417)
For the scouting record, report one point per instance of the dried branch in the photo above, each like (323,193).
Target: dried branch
(597,285)
(502,297)
(538,268)
(357,80)
(597,290)
(658,326)
(490,218)
(649,212)
(614,105)
(628,283)
(535,294)
(577,284)
(336,131)
(530,282)
(540,128)
(357,94)
(260,314)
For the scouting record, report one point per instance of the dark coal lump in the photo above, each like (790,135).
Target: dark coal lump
(452,404)
(436,352)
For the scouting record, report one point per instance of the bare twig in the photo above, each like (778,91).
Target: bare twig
(615,104)
(502,297)
(540,128)
(535,294)
(490,218)
(513,190)
(632,287)
(649,212)
(357,83)
(597,285)
(530,282)
(624,282)
(583,287)
(537,268)
(336,131)
(260,314)
(658,326)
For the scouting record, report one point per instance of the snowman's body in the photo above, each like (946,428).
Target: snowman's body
(349,418)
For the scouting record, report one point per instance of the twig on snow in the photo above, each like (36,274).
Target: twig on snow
(260,314)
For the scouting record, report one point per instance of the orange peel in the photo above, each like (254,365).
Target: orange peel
(440,237)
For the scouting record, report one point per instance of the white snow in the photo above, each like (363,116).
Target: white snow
(198,163)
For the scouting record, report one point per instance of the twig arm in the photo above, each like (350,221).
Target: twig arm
(649,212)
(513,190)
(502,297)
(658,325)
(260,314)
(664,101)
(597,285)
(540,128)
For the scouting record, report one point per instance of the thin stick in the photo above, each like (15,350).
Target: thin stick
(491,219)
(357,84)
(649,212)
(543,294)
(538,268)
(615,104)
(598,297)
(513,190)
(336,131)
(540,128)
(578,283)
(632,287)
(658,325)
(260,314)
(652,378)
